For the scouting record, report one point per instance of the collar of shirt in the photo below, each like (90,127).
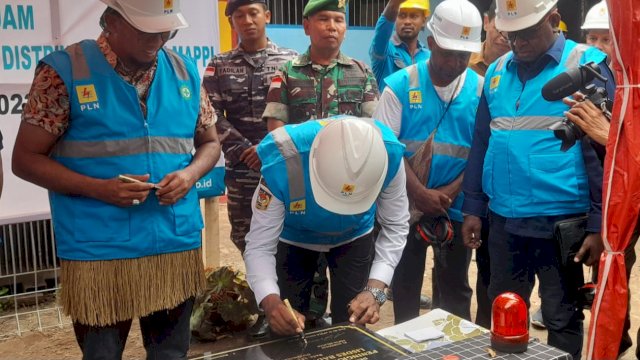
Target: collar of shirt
(528,71)
(305,59)
(395,40)
(270,49)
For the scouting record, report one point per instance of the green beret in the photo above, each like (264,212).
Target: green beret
(232,5)
(313,6)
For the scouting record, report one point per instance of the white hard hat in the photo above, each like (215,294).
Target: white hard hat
(347,165)
(456,25)
(597,17)
(151,16)
(516,15)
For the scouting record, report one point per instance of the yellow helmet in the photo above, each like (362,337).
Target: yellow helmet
(563,27)
(417,4)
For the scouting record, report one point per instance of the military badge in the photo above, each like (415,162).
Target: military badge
(263,200)
(341,3)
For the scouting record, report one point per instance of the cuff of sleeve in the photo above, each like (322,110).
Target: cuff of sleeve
(277,111)
(381,271)
(594,223)
(474,207)
(264,289)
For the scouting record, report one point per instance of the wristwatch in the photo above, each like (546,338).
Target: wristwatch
(378,294)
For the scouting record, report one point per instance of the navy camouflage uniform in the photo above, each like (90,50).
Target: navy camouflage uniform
(237,83)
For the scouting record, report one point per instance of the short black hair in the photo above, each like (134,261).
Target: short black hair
(491,13)
(109,11)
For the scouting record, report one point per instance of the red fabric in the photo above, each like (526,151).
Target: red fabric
(621,191)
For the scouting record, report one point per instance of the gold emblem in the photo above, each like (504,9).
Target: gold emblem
(415,97)
(348,189)
(512,5)
(341,3)
(466,31)
(298,206)
(495,81)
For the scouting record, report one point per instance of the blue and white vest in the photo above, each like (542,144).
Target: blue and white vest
(525,174)
(422,110)
(285,167)
(107,136)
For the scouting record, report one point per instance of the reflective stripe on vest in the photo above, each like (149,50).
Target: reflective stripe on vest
(457,151)
(524,122)
(293,162)
(97,149)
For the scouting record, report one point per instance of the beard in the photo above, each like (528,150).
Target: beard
(408,38)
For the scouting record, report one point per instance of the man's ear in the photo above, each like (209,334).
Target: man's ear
(306,25)
(267,16)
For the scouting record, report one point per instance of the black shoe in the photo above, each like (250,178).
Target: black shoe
(425,302)
(260,329)
(625,344)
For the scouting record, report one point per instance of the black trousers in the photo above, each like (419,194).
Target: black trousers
(451,290)
(516,260)
(165,335)
(349,267)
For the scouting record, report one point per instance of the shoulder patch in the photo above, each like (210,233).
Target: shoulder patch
(263,200)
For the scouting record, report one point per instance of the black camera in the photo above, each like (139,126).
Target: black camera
(565,85)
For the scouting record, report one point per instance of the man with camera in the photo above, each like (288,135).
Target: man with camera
(534,191)
(431,107)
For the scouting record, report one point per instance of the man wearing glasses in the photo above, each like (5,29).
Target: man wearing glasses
(123,105)
(516,167)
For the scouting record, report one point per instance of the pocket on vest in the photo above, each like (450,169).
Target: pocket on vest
(96,221)
(188,219)
(553,178)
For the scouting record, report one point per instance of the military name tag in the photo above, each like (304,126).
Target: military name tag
(232,70)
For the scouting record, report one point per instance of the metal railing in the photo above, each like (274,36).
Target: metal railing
(28,278)
(360,12)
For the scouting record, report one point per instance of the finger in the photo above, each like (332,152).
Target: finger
(356,311)
(574,119)
(581,253)
(301,320)
(569,101)
(375,318)
(367,316)
(578,96)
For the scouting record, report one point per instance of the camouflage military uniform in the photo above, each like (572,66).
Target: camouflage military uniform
(301,91)
(237,83)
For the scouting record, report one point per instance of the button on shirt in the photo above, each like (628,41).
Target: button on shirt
(542,226)
(389,54)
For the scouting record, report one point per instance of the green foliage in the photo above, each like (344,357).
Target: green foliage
(226,305)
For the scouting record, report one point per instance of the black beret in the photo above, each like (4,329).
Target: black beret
(232,5)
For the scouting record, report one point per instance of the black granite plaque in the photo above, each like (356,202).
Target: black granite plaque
(333,343)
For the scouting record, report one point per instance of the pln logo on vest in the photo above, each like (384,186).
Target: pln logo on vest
(87,97)
(298,207)
(415,99)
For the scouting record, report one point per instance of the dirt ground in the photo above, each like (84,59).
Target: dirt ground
(60,343)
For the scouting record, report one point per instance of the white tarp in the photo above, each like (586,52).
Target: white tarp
(30,29)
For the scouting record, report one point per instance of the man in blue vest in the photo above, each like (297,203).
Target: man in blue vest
(323,184)
(391,51)
(109,130)
(431,107)
(516,167)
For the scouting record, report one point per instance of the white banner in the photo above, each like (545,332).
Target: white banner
(31,29)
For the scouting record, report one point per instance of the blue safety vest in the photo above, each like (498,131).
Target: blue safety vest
(423,111)
(525,174)
(107,136)
(285,168)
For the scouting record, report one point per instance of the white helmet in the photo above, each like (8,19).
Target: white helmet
(347,165)
(516,15)
(597,17)
(456,25)
(151,16)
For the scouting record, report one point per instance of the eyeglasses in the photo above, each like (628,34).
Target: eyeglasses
(164,36)
(527,34)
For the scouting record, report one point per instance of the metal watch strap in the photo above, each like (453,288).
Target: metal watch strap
(378,294)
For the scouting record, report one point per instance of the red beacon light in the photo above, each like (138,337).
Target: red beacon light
(509,323)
